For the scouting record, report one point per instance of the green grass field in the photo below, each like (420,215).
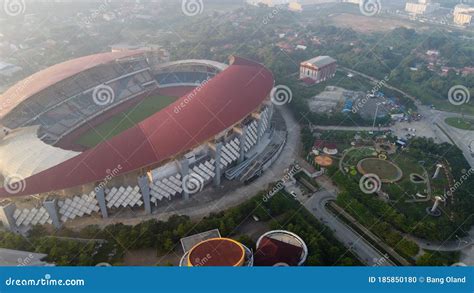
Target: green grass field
(125,120)
(464,124)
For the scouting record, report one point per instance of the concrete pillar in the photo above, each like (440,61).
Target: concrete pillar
(51,208)
(145,191)
(6,216)
(270,114)
(217,158)
(259,129)
(100,195)
(242,139)
(184,166)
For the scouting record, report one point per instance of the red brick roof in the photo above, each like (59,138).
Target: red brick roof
(272,251)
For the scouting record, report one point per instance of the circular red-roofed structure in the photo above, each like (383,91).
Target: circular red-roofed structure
(217,252)
(280,248)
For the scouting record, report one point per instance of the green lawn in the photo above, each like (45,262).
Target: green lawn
(464,124)
(404,187)
(125,120)
(355,155)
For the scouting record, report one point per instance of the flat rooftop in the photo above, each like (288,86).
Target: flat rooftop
(189,242)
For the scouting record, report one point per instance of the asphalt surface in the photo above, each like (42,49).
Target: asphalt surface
(351,239)
(462,138)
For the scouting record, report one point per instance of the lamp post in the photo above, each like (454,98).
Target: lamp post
(375,116)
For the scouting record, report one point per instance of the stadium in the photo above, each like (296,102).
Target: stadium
(126,129)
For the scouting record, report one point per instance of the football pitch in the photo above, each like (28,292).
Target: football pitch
(124,120)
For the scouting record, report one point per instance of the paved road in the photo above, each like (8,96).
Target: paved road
(462,138)
(461,244)
(358,245)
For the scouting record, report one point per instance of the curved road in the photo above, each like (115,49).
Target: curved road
(461,244)
(351,239)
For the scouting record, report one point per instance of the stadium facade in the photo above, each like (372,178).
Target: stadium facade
(220,124)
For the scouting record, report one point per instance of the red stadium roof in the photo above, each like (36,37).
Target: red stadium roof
(205,112)
(54,74)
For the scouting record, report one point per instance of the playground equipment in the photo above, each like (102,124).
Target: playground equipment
(421,195)
(434,211)
(438,167)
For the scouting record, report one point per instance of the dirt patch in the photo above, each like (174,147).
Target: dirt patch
(142,257)
(148,257)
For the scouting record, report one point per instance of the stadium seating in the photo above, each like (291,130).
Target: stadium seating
(173,78)
(69,104)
